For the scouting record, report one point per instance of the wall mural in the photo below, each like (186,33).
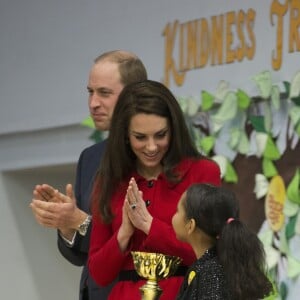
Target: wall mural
(255,141)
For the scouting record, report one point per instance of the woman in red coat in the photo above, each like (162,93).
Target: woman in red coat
(149,161)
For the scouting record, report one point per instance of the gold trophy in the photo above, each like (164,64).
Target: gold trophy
(153,267)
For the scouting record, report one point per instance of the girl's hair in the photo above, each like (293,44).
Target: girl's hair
(146,97)
(240,252)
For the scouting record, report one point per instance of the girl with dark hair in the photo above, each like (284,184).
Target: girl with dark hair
(149,161)
(230,258)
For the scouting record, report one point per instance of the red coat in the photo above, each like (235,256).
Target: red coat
(105,258)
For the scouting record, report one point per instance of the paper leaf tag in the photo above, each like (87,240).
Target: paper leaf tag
(274,203)
(267,116)
(290,208)
(222,90)
(293,267)
(192,107)
(264,83)
(297,225)
(273,256)
(266,237)
(192,274)
(226,112)
(275,96)
(294,114)
(222,163)
(261,142)
(295,86)
(261,186)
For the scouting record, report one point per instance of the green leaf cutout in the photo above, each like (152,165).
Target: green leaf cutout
(298,129)
(271,150)
(274,294)
(269,169)
(207,144)
(290,227)
(207,101)
(297,225)
(296,100)
(258,123)
(230,174)
(283,290)
(243,99)
(287,86)
(283,244)
(96,136)
(88,122)
(293,190)
(235,134)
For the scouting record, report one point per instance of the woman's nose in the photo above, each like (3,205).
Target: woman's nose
(151,145)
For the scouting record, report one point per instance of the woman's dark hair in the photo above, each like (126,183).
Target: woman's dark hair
(240,252)
(146,97)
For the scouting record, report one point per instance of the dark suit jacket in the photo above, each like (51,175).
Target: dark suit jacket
(88,163)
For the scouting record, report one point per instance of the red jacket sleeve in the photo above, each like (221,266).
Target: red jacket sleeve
(105,257)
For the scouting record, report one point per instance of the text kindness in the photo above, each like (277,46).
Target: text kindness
(226,39)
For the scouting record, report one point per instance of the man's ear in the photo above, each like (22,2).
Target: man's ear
(191,226)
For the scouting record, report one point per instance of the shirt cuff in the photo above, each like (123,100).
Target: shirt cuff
(69,243)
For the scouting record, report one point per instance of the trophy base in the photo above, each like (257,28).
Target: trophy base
(150,290)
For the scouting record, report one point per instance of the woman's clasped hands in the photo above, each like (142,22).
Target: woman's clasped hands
(135,215)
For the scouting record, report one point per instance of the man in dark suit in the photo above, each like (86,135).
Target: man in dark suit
(110,72)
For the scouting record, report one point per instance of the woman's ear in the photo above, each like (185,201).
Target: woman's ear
(191,226)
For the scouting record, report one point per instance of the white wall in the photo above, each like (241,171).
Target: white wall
(31,266)
(47,48)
